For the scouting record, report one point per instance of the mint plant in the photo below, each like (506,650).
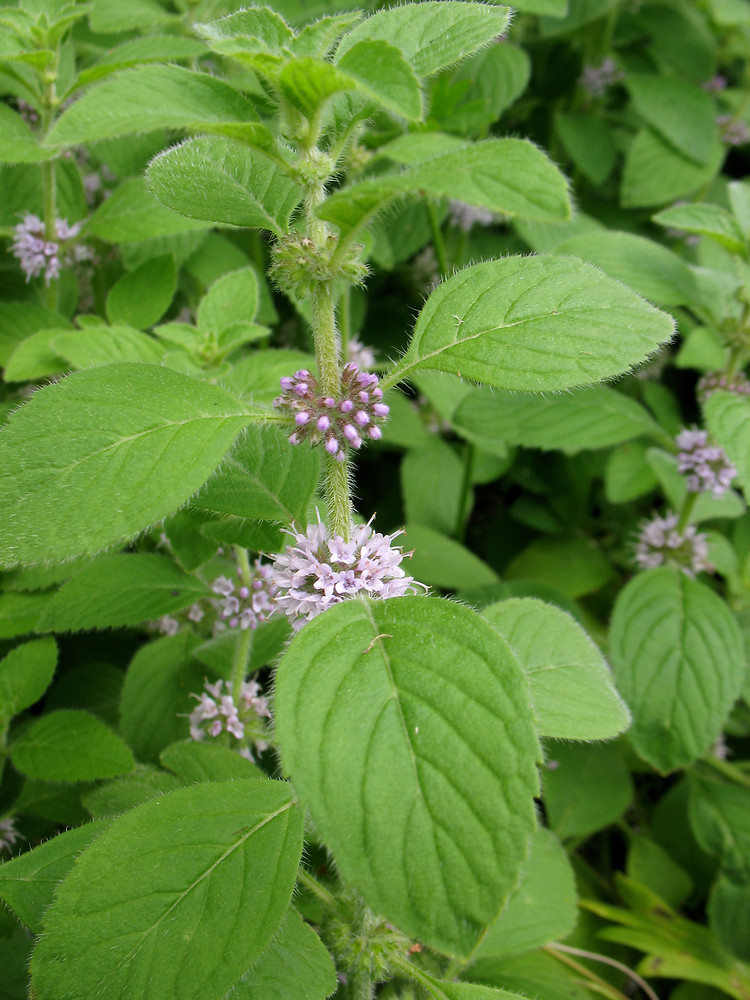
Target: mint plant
(374,554)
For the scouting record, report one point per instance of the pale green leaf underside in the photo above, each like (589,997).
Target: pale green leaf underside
(508,176)
(121,589)
(533,324)
(597,417)
(432,35)
(570,683)
(419,777)
(150,97)
(101,455)
(197,883)
(219,180)
(678,661)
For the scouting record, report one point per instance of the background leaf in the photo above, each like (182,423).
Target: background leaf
(25,674)
(70,745)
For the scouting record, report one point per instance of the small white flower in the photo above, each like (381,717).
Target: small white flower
(37,255)
(217,713)
(709,470)
(245,606)
(8,834)
(659,543)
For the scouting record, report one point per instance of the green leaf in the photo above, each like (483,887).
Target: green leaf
(104,453)
(34,358)
(432,487)
(570,683)
(113,16)
(256,24)
(157,695)
(588,418)
(118,796)
(570,564)
(124,588)
(186,907)
(707,220)
(132,213)
(19,320)
(142,296)
(432,35)
(231,299)
(588,142)
(218,180)
(25,674)
(147,98)
(543,907)
(728,420)
(650,269)
(729,917)
(451,990)
(680,111)
(383,74)
(485,174)
(532,324)
(19,143)
(655,173)
(19,613)
(442,562)
(720,820)
(263,478)
(628,475)
(28,882)
(652,866)
(152,48)
(674,485)
(388,725)
(195,762)
(678,661)
(105,345)
(475,95)
(70,745)
(295,965)
(586,787)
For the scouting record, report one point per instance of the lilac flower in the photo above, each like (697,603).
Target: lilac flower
(340,423)
(245,606)
(216,713)
(465,216)
(733,131)
(659,543)
(170,624)
(37,255)
(321,570)
(715,83)
(595,80)
(709,470)
(8,834)
(166,625)
(713,382)
(360,354)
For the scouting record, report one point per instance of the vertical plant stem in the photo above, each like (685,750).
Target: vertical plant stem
(687,509)
(240,663)
(469,457)
(727,770)
(49,178)
(338,495)
(345,323)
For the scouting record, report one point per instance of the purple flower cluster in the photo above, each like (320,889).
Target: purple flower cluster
(320,570)
(709,470)
(715,83)
(465,216)
(38,255)
(340,423)
(8,833)
(595,80)
(713,382)
(360,354)
(734,132)
(659,543)
(217,713)
(245,606)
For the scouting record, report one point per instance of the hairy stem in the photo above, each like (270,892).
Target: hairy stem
(49,177)
(312,885)
(240,663)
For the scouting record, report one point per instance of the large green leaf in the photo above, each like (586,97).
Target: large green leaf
(101,455)
(542,908)
(680,111)
(25,674)
(233,298)
(419,776)
(70,745)
(150,97)
(655,173)
(432,35)
(589,418)
(28,882)
(728,419)
(197,883)
(587,786)
(677,655)
(105,345)
(264,478)
(533,324)
(219,180)
(141,296)
(485,174)
(569,681)
(124,588)
(706,220)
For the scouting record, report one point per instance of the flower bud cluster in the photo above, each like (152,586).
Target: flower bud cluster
(38,255)
(659,543)
(465,216)
(299,264)
(709,470)
(8,834)
(340,423)
(595,80)
(216,713)
(320,570)
(713,382)
(733,131)
(245,605)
